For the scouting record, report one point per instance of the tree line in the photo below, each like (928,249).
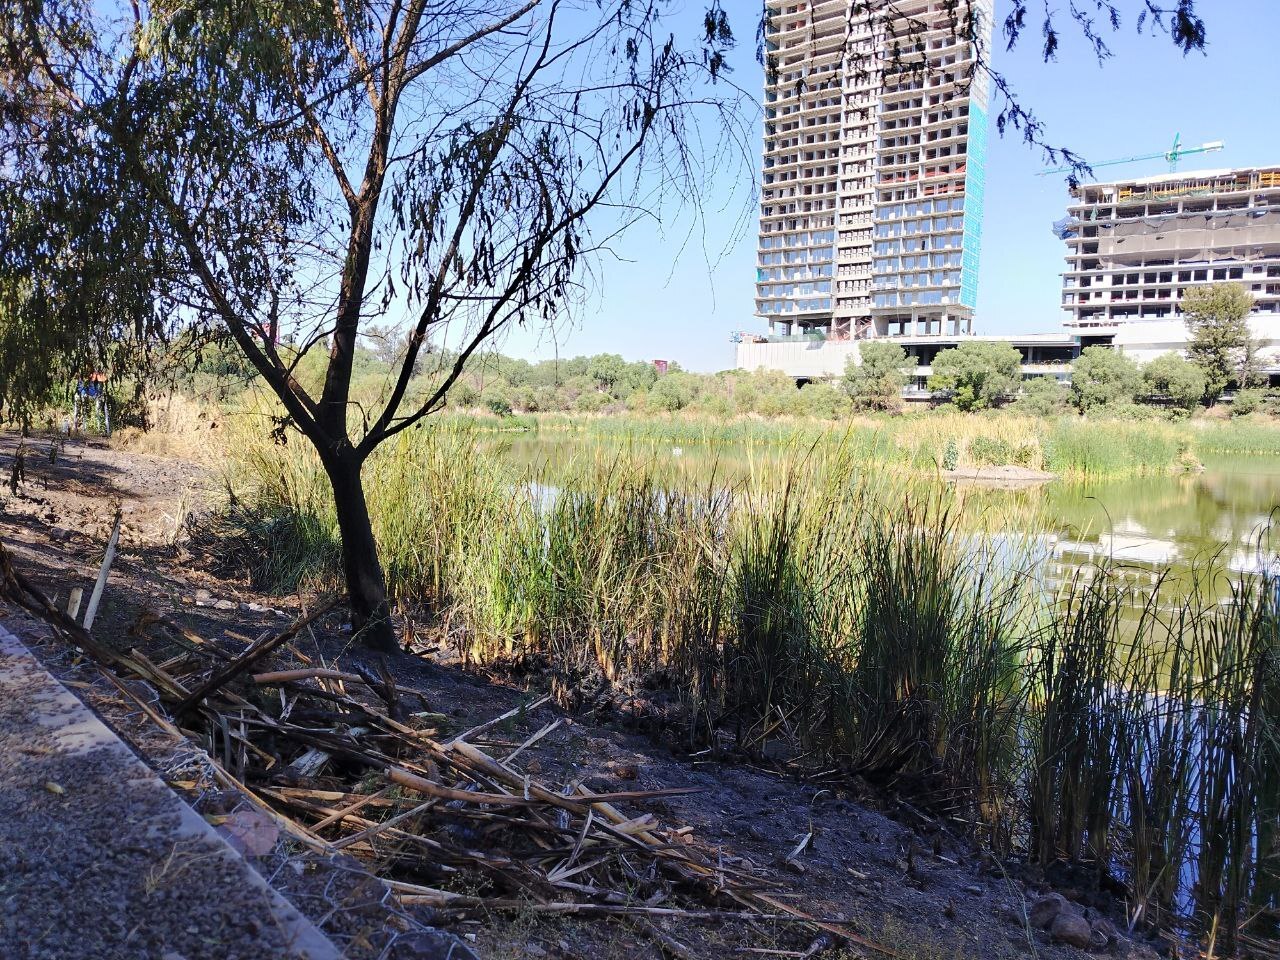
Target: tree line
(979,374)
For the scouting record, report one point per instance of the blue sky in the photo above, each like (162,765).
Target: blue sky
(677,289)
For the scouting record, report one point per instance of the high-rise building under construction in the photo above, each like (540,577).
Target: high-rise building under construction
(875,135)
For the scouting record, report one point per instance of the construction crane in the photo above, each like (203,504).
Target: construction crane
(1173,155)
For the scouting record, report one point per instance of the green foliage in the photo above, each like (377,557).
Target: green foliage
(1091,449)
(1103,377)
(496,397)
(875,381)
(1168,375)
(1127,410)
(978,374)
(990,451)
(822,401)
(607,370)
(673,392)
(498,404)
(1041,397)
(1247,402)
(1239,437)
(591,401)
(606,382)
(950,455)
(1221,344)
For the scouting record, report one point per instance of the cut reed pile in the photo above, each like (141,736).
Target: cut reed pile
(866,624)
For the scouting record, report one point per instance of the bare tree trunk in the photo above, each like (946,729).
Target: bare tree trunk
(366,583)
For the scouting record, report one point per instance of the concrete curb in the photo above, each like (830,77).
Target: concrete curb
(76,729)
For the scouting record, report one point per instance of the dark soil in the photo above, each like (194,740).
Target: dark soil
(907,882)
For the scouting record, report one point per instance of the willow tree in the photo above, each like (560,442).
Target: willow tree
(299,173)
(290,175)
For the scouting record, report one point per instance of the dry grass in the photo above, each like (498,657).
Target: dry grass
(178,427)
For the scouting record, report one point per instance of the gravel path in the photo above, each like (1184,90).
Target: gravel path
(99,859)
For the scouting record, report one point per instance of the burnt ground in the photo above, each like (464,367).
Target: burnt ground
(908,883)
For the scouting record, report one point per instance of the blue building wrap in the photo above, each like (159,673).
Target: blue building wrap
(975,186)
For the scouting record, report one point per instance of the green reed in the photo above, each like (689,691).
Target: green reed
(815,609)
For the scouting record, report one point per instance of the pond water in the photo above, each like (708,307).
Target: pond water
(1149,523)
(1176,521)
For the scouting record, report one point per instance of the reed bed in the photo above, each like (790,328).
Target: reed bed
(1247,437)
(812,610)
(930,441)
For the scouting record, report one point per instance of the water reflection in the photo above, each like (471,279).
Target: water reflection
(1221,515)
(1217,519)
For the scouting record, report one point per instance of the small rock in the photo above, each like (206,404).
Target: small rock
(976,890)
(1105,931)
(754,832)
(224,604)
(1129,950)
(795,866)
(431,945)
(624,771)
(1046,909)
(533,950)
(203,596)
(1072,929)
(251,832)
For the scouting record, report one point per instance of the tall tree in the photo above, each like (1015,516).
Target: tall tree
(1181,381)
(1102,377)
(291,174)
(1221,344)
(876,380)
(978,373)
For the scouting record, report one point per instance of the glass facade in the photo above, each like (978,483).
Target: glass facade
(975,189)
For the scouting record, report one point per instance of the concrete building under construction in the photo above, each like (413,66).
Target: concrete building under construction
(1135,247)
(874,154)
